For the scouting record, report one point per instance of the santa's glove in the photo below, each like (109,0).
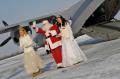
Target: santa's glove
(47,33)
(34,25)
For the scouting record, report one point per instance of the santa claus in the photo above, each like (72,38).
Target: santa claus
(51,33)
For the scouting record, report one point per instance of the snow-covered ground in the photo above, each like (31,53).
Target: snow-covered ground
(103,63)
(10,49)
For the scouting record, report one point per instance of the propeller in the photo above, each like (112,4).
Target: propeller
(5,41)
(8,39)
(5,23)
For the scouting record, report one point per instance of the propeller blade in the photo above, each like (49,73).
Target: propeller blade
(5,41)
(5,23)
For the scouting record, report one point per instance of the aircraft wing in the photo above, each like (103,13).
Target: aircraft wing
(83,13)
(83,9)
(7,29)
(25,23)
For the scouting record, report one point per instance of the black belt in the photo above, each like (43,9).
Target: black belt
(50,36)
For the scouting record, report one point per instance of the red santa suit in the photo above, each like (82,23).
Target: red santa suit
(53,41)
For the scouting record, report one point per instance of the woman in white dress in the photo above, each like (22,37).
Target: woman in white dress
(71,52)
(32,62)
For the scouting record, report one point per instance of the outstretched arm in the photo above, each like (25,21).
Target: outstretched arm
(38,30)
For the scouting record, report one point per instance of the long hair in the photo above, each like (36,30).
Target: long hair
(23,29)
(64,21)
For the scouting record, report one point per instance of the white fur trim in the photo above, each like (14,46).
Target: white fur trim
(47,33)
(47,47)
(53,45)
(53,32)
(59,64)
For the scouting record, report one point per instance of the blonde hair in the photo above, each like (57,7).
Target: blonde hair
(23,29)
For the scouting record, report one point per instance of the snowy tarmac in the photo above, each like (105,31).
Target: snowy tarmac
(103,63)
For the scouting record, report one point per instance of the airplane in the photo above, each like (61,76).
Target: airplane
(92,17)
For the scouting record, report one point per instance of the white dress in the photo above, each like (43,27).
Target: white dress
(71,52)
(32,61)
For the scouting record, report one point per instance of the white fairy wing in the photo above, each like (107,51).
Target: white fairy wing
(69,30)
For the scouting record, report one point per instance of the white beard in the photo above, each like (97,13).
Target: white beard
(47,27)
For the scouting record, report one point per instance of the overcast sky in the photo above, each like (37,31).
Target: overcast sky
(14,11)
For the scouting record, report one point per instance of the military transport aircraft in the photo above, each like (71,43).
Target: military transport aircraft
(92,17)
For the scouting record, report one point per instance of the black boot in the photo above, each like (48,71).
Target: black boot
(48,51)
(60,67)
